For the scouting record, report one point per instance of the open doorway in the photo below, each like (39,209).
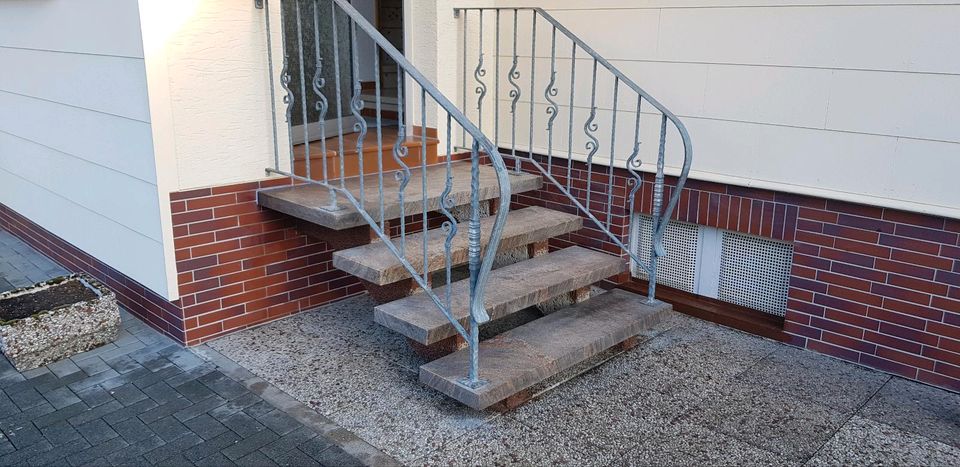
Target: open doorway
(321,32)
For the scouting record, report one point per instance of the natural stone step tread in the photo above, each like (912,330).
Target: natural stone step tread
(510,289)
(377,264)
(529,354)
(308,201)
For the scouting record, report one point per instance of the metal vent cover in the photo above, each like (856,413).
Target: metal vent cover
(682,242)
(755,272)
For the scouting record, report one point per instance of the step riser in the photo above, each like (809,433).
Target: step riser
(525,356)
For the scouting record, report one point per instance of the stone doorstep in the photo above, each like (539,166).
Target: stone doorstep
(517,359)
(308,201)
(510,289)
(375,262)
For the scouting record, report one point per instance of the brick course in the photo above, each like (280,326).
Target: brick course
(871,285)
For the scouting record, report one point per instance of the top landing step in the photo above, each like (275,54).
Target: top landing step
(309,201)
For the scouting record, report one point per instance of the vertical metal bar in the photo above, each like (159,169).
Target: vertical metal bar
(473,247)
(450,225)
(318,83)
(515,95)
(613,150)
(303,92)
(478,74)
(423,179)
(336,71)
(496,84)
(549,94)
(399,152)
(590,127)
(656,246)
(288,98)
(633,163)
(533,73)
(356,108)
(466,16)
(273,88)
(376,81)
(573,82)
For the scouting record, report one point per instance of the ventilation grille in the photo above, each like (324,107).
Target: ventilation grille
(681,240)
(755,272)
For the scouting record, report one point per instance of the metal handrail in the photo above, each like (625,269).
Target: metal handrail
(480,263)
(660,213)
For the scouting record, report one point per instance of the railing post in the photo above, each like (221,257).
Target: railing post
(656,235)
(473,239)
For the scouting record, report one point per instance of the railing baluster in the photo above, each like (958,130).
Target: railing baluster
(515,95)
(496,89)
(399,152)
(423,177)
(478,74)
(356,107)
(450,225)
(573,84)
(288,97)
(273,94)
(336,79)
(533,73)
(473,247)
(634,163)
(549,94)
(322,104)
(590,127)
(303,92)
(613,150)
(376,87)
(463,92)
(656,247)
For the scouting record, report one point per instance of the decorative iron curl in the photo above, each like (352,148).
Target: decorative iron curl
(589,128)
(549,94)
(285,83)
(356,106)
(481,88)
(399,153)
(512,76)
(318,83)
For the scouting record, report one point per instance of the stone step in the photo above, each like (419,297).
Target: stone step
(511,288)
(377,264)
(517,359)
(309,201)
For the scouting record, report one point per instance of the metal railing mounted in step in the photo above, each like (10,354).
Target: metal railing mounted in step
(430,109)
(561,175)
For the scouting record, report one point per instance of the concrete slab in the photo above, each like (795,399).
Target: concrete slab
(519,358)
(308,202)
(510,289)
(377,264)
(881,444)
(917,408)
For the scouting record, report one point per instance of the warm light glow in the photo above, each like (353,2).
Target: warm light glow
(161,19)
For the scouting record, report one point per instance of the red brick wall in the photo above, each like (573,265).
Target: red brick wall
(145,304)
(239,265)
(875,286)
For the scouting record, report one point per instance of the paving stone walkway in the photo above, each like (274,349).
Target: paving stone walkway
(145,400)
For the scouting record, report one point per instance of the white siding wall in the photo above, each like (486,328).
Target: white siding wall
(76,149)
(851,100)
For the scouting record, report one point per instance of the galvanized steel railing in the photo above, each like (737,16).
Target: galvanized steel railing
(418,89)
(511,18)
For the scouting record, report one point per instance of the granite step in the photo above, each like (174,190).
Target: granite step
(377,264)
(308,201)
(510,289)
(524,356)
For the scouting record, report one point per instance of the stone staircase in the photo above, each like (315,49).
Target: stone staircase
(515,360)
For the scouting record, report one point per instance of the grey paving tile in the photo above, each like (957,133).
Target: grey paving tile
(133,430)
(61,397)
(96,432)
(132,410)
(129,453)
(296,458)
(21,456)
(59,452)
(7,407)
(199,408)
(123,364)
(279,422)
(778,422)
(206,426)
(917,408)
(866,442)
(838,384)
(164,410)
(60,414)
(212,446)
(162,393)
(194,390)
(173,448)
(94,396)
(60,432)
(30,374)
(127,394)
(169,428)
(223,386)
(63,367)
(288,442)
(256,459)
(249,444)
(26,398)
(95,413)
(23,434)
(92,365)
(242,424)
(216,460)
(91,456)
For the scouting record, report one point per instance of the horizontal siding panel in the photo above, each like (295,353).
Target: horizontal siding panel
(119,143)
(129,252)
(128,201)
(113,85)
(106,27)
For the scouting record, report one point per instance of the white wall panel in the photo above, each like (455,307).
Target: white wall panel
(88,26)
